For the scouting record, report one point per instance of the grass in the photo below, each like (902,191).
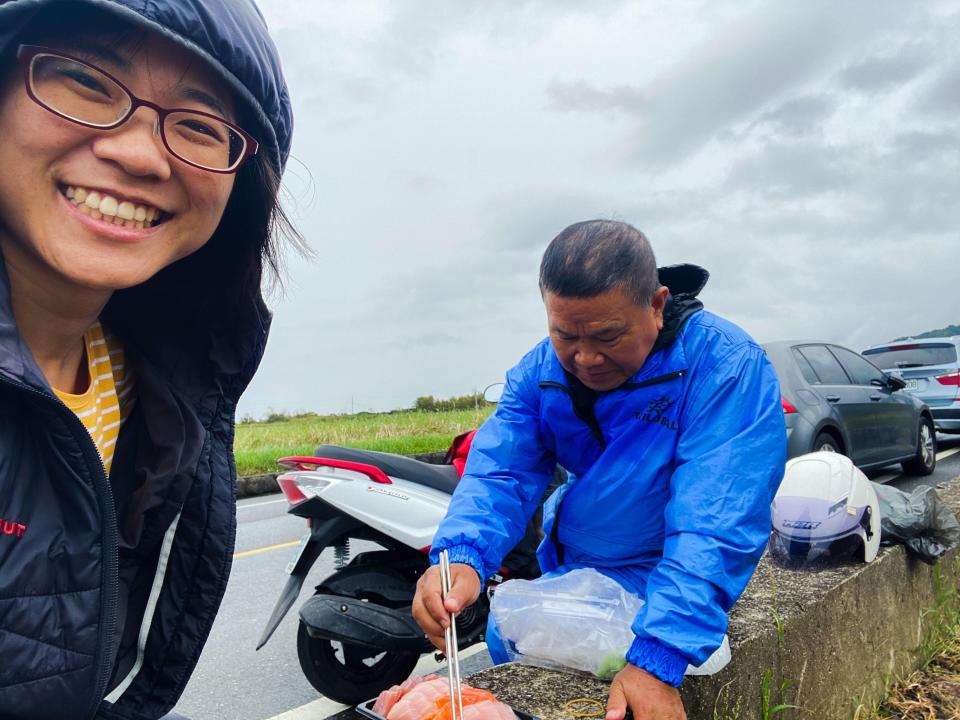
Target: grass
(933,691)
(258,445)
(928,694)
(769,705)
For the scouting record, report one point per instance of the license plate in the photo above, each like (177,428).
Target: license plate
(303,544)
(912,385)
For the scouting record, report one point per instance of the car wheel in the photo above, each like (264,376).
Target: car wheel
(826,442)
(925,461)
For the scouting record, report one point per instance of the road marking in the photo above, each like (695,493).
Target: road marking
(325,707)
(261,504)
(947,453)
(942,455)
(322,708)
(268,548)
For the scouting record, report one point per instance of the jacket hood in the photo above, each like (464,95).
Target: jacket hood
(685,282)
(230,35)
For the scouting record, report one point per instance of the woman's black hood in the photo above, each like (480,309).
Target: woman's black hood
(201,321)
(230,35)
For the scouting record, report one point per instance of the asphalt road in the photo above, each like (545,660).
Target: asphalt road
(234,682)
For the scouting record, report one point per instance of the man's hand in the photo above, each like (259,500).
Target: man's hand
(429,610)
(646,695)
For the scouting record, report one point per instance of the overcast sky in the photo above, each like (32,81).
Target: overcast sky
(806,153)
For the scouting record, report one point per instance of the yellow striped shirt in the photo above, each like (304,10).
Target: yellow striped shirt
(107,401)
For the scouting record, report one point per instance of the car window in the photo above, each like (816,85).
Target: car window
(824,364)
(808,374)
(861,371)
(912,355)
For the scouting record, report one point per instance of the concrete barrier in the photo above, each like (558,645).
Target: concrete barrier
(827,642)
(253,485)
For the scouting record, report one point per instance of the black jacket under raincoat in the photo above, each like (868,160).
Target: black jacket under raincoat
(108,588)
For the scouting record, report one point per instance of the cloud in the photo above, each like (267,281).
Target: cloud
(885,72)
(792,170)
(730,76)
(797,116)
(921,147)
(807,154)
(580,96)
(941,97)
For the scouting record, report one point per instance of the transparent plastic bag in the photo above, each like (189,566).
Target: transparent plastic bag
(920,520)
(577,621)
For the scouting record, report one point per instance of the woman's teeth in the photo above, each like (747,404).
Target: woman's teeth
(104,207)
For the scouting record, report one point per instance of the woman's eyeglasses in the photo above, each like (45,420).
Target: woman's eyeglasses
(83,93)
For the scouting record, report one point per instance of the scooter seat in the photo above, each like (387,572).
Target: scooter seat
(439,477)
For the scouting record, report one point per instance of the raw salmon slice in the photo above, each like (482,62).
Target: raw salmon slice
(420,701)
(389,697)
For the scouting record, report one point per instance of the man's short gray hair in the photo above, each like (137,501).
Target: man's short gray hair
(595,256)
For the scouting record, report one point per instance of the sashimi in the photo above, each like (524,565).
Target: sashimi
(420,701)
(469,696)
(428,698)
(386,700)
(489,710)
(389,697)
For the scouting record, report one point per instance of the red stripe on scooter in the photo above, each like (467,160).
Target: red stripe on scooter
(301,462)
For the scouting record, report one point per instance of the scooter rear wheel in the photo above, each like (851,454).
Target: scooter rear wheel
(348,673)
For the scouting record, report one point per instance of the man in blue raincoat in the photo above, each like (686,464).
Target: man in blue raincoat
(669,422)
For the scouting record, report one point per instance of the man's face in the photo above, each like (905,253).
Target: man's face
(603,340)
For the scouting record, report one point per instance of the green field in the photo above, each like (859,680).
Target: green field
(259,444)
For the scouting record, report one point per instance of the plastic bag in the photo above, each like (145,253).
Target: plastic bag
(919,519)
(576,621)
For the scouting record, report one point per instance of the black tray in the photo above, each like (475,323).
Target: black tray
(366,709)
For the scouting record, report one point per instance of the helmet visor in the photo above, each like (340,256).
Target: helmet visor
(797,554)
(812,530)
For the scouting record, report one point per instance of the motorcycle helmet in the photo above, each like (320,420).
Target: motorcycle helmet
(826,508)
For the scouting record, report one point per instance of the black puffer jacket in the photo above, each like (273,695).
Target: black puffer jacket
(111,587)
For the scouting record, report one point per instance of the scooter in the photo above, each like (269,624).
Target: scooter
(357,635)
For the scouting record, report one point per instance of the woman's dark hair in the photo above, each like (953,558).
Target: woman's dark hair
(218,288)
(595,256)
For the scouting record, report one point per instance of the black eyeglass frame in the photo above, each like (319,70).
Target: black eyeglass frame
(29,53)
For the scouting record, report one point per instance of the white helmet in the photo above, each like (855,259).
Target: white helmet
(825,507)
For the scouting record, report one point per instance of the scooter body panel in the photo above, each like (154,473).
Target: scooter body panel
(322,533)
(357,622)
(404,511)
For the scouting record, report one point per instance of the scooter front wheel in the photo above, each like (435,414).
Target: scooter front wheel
(349,673)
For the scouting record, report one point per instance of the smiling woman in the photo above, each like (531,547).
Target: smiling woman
(141,151)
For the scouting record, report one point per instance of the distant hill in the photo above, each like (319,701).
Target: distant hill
(942,332)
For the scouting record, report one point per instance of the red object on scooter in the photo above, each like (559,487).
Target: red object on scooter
(459,449)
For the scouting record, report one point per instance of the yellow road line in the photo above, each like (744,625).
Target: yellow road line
(947,453)
(268,548)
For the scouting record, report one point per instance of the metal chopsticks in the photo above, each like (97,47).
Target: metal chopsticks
(450,640)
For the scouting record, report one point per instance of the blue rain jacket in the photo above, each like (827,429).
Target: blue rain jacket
(669,494)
